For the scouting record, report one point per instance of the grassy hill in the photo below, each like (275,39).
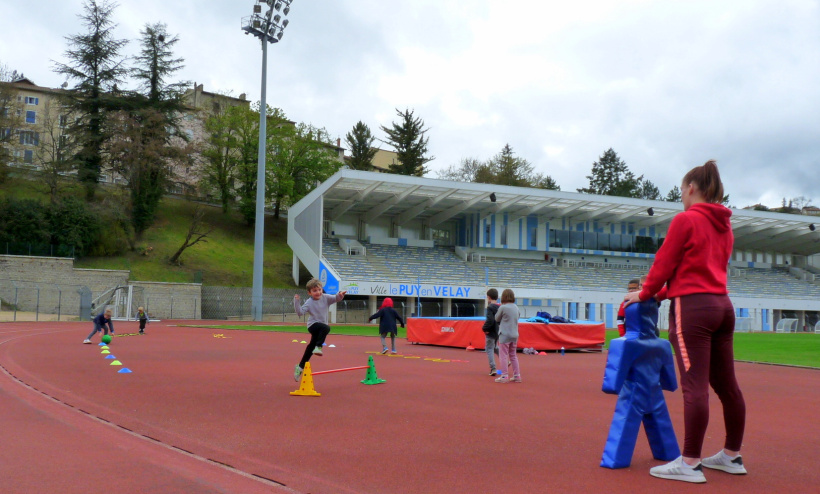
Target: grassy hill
(226,259)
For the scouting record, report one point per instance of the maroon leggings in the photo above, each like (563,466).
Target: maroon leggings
(701,330)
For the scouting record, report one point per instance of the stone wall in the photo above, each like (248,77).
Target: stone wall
(50,285)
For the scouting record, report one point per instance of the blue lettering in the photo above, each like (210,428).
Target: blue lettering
(437,290)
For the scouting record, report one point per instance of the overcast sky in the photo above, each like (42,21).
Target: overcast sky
(666,84)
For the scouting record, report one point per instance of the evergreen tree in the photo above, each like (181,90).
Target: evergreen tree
(409,141)
(362,151)
(611,177)
(674,195)
(648,190)
(96,65)
(151,139)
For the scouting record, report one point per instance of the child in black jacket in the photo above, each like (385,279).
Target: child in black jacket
(387,316)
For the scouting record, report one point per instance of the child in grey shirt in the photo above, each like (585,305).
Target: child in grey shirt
(507,317)
(316,307)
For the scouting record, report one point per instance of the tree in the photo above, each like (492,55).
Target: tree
(674,195)
(299,158)
(648,190)
(95,63)
(141,155)
(362,151)
(154,65)
(148,140)
(197,232)
(246,123)
(611,177)
(468,170)
(53,150)
(503,169)
(409,141)
(11,116)
(220,156)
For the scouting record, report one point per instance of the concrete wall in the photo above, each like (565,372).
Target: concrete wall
(48,285)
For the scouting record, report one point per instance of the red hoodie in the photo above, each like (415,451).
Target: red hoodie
(695,254)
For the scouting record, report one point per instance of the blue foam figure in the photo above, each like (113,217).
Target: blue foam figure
(638,368)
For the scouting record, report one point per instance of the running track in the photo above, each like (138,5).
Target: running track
(208,411)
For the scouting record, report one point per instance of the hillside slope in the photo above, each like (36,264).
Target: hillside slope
(224,259)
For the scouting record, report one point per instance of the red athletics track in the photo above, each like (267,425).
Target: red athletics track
(202,414)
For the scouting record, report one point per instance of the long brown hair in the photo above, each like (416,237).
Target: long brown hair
(707,179)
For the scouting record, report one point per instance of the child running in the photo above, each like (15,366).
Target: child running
(317,307)
(507,317)
(100,323)
(387,317)
(142,317)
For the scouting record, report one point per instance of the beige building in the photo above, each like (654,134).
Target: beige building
(33,124)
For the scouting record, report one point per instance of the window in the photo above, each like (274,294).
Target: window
(29,138)
(32,101)
(28,156)
(31,116)
(576,240)
(487,233)
(533,237)
(503,234)
(603,241)
(63,120)
(590,241)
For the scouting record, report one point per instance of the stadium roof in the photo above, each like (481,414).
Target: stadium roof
(372,195)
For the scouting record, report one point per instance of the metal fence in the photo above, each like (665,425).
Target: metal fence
(30,301)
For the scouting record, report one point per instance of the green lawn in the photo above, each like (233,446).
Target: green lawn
(225,259)
(788,349)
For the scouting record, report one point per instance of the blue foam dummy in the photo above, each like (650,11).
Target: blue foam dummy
(638,368)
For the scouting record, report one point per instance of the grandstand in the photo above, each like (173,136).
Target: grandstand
(438,245)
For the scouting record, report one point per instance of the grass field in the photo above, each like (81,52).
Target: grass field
(773,348)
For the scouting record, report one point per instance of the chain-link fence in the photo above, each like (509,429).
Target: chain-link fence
(30,301)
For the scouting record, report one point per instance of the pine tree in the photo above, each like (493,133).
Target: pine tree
(611,177)
(362,151)
(156,109)
(408,139)
(96,65)
(674,195)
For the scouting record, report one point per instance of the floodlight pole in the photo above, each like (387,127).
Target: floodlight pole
(257,296)
(268,28)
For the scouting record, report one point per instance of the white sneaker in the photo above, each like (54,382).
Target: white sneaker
(318,351)
(297,373)
(721,461)
(86,341)
(679,470)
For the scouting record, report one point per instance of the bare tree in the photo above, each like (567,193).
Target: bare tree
(197,232)
(54,151)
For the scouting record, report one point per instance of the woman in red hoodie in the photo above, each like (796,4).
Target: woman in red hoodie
(690,269)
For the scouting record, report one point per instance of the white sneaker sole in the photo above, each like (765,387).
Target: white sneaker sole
(727,469)
(683,478)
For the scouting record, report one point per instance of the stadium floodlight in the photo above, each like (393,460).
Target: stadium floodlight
(492,197)
(269,30)
(650,212)
(812,227)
